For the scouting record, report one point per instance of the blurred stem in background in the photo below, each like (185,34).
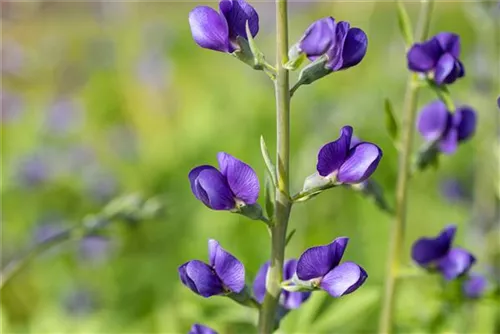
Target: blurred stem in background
(394,256)
(267,321)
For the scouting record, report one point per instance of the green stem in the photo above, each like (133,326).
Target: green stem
(398,228)
(267,316)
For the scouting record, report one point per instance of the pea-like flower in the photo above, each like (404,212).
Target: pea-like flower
(289,300)
(345,163)
(475,286)
(201,329)
(224,273)
(438,55)
(437,253)
(436,123)
(234,185)
(321,265)
(219,31)
(343,46)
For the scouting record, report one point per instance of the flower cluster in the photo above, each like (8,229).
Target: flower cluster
(441,123)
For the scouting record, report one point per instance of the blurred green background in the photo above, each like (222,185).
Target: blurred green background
(103,98)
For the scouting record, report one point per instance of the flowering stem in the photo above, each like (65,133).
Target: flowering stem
(283,204)
(398,227)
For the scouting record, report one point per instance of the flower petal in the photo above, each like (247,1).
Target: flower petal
(448,144)
(449,42)
(433,120)
(241,178)
(444,68)
(318,261)
(209,29)
(237,13)
(213,190)
(465,121)
(355,46)
(193,175)
(456,263)
(361,162)
(259,283)
(335,52)
(201,329)
(229,269)
(293,300)
(423,57)
(475,286)
(318,37)
(200,278)
(426,250)
(343,279)
(332,155)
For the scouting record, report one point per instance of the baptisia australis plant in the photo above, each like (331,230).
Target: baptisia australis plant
(279,286)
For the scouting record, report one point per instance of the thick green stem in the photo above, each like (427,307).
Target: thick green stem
(267,317)
(398,228)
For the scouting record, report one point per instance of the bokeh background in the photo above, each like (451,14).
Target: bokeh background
(101,99)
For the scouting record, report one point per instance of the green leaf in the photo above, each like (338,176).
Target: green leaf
(290,236)
(404,23)
(269,197)
(257,54)
(390,121)
(271,168)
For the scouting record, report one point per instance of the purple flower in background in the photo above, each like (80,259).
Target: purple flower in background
(201,329)
(346,163)
(33,170)
(224,274)
(100,184)
(321,264)
(436,123)
(439,55)
(94,248)
(436,253)
(219,31)
(46,231)
(474,286)
(289,300)
(11,107)
(63,116)
(236,184)
(79,303)
(12,57)
(454,190)
(343,46)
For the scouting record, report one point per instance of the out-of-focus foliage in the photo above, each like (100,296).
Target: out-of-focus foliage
(103,98)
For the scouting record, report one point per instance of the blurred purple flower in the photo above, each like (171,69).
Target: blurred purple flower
(475,286)
(152,69)
(219,31)
(63,116)
(224,274)
(12,57)
(436,253)
(123,141)
(94,248)
(436,123)
(80,303)
(454,190)
(11,107)
(439,55)
(201,329)
(343,46)
(33,170)
(45,231)
(289,300)
(234,185)
(101,186)
(346,163)
(321,264)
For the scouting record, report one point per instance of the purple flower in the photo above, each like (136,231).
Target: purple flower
(436,253)
(201,329)
(80,302)
(219,31)
(11,107)
(343,46)
(438,55)
(289,300)
(94,248)
(321,264)
(436,123)
(346,163)
(223,275)
(33,170)
(236,184)
(474,286)
(63,116)
(454,190)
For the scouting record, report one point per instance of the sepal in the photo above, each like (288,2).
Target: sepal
(312,72)
(313,185)
(296,58)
